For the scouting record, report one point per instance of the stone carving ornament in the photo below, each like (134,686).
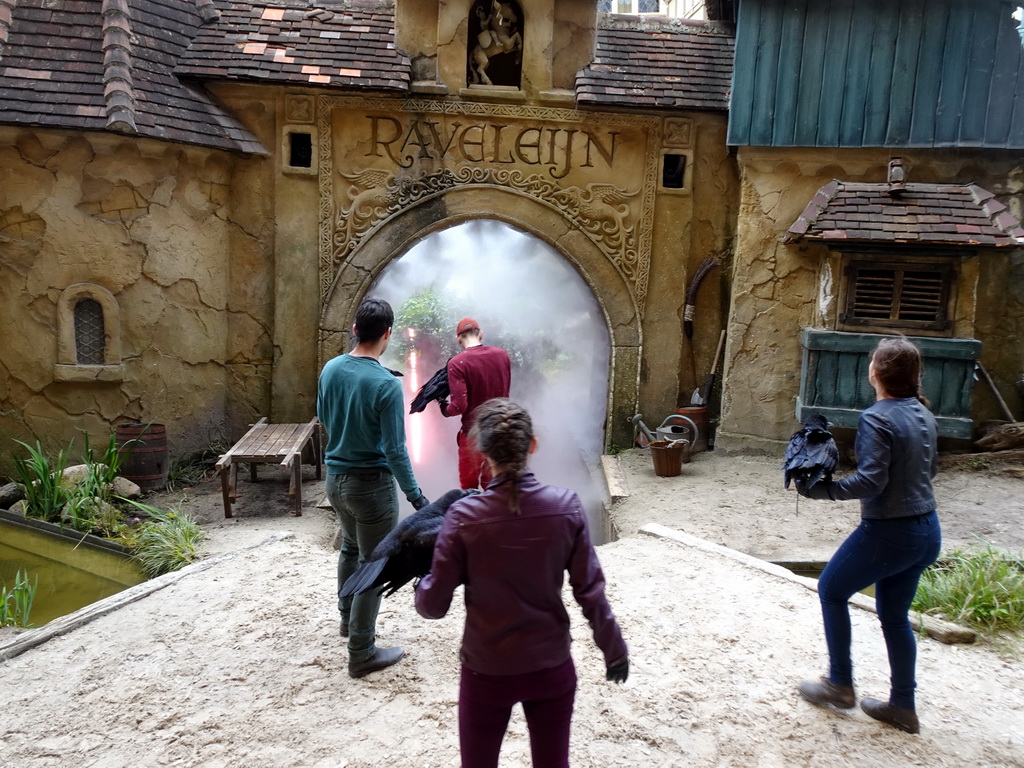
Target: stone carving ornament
(352,205)
(498,34)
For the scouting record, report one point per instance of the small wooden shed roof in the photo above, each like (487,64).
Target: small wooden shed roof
(934,214)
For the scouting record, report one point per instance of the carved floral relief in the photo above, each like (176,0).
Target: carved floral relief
(427,154)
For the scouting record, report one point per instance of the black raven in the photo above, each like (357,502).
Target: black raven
(811,454)
(436,388)
(405,553)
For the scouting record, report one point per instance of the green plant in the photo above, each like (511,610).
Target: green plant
(983,588)
(165,541)
(107,467)
(40,481)
(16,603)
(193,468)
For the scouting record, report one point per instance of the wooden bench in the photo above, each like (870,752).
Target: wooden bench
(270,444)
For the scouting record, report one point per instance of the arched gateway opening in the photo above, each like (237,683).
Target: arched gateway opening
(560,261)
(528,300)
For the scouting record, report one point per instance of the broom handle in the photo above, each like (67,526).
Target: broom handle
(999,397)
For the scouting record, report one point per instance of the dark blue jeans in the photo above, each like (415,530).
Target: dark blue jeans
(367,510)
(891,554)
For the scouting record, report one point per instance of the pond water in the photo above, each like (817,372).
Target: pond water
(813,570)
(70,575)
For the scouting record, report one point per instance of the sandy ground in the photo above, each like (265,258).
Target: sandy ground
(240,664)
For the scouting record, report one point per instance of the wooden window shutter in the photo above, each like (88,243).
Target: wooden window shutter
(886,294)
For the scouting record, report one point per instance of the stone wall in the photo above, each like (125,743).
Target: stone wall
(174,240)
(778,288)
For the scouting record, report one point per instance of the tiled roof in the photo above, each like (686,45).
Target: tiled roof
(108,65)
(287,41)
(936,214)
(658,63)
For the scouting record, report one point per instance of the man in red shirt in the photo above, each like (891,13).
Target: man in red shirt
(475,375)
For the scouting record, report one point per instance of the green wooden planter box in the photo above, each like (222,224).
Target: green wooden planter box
(834,378)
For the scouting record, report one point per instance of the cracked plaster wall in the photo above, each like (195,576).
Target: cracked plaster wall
(778,289)
(152,223)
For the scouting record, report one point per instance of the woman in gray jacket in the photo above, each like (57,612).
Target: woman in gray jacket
(898,536)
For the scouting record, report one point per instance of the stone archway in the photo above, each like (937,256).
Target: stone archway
(395,235)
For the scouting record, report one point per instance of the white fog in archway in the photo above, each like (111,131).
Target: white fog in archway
(528,299)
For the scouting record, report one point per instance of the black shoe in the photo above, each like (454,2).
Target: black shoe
(344,627)
(824,691)
(897,717)
(382,657)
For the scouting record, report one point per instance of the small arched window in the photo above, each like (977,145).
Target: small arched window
(88,335)
(90,340)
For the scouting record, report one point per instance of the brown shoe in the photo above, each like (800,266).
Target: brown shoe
(382,657)
(897,717)
(824,692)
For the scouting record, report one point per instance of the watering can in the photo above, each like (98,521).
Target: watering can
(678,427)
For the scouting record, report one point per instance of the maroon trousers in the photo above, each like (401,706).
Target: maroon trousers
(474,471)
(485,705)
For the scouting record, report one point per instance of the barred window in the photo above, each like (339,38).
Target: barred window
(90,338)
(887,294)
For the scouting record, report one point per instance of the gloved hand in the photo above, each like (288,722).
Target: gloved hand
(819,491)
(443,405)
(618,673)
(420,503)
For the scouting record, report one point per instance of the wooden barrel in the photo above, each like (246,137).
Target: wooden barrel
(145,449)
(699,415)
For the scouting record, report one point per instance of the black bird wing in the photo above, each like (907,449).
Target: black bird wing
(405,553)
(436,388)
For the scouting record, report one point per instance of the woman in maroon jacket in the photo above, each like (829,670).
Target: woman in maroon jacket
(510,546)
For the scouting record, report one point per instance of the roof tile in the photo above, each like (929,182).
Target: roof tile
(952,214)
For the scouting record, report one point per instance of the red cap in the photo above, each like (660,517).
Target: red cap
(466,324)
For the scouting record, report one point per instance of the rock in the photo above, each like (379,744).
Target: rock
(74,475)
(9,494)
(125,488)
(19,508)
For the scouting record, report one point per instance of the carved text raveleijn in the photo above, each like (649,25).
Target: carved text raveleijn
(560,149)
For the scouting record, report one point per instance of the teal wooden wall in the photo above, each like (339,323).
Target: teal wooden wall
(834,378)
(874,73)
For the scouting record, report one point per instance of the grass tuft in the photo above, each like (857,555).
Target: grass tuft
(16,603)
(981,588)
(164,542)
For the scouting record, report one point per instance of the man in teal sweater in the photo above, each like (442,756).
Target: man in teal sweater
(359,403)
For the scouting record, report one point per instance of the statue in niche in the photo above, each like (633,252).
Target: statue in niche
(496,58)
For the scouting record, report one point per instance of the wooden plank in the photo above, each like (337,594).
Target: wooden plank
(230,452)
(768,49)
(950,105)
(855,93)
(926,94)
(904,72)
(842,341)
(833,77)
(788,79)
(1006,75)
(301,436)
(1015,136)
(978,76)
(825,378)
(744,73)
(880,83)
(812,65)
(848,390)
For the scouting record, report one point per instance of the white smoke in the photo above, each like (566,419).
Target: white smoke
(523,293)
